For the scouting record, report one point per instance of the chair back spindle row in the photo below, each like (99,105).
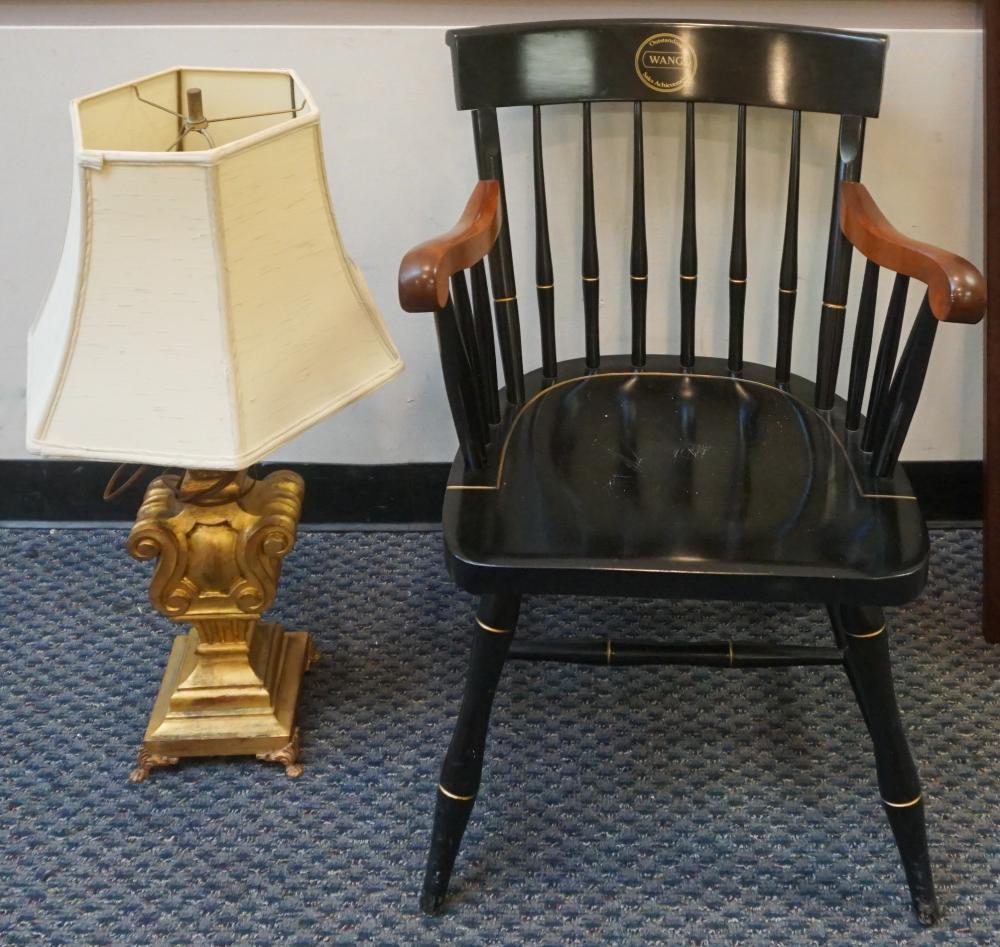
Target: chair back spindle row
(837,275)
(475,332)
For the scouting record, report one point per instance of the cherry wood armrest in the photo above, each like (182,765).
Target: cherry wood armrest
(427,268)
(956,290)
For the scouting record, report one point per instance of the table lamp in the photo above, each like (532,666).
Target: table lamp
(204,312)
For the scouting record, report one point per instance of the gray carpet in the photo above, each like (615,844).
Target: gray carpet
(661,805)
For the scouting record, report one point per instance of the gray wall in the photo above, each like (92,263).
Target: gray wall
(400,166)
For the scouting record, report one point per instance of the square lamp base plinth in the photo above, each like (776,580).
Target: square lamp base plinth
(246,709)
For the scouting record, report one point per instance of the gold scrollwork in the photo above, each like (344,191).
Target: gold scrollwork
(223,557)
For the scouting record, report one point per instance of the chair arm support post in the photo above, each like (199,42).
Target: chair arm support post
(464,398)
(892,422)
(956,289)
(425,271)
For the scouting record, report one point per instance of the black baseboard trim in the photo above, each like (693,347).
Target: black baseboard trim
(54,491)
(948,490)
(69,491)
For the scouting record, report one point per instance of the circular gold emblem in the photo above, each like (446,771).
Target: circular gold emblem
(665,63)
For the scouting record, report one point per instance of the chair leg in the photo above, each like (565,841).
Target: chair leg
(463,763)
(861,632)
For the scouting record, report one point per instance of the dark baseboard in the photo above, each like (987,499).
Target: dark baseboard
(54,491)
(948,490)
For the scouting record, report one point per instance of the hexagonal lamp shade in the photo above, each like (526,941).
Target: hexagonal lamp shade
(204,311)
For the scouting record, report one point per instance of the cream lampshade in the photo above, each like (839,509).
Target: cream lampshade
(204,311)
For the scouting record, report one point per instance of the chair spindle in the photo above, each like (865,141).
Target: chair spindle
(738,249)
(689,247)
(885,361)
(862,346)
(544,284)
(463,313)
(590,271)
(639,267)
(850,145)
(893,422)
(484,333)
(470,342)
(460,386)
(490,167)
(789,275)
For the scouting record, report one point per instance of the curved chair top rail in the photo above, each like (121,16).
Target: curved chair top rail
(764,64)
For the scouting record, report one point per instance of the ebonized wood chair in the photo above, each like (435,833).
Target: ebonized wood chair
(681,476)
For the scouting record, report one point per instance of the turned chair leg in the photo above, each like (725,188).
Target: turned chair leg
(463,763)
(862,634)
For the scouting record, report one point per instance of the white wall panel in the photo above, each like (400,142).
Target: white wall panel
(400,164)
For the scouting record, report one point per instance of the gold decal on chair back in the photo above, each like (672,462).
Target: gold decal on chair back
(665,63)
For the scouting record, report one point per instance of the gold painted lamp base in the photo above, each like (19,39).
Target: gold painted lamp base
(232,682)
(250,718)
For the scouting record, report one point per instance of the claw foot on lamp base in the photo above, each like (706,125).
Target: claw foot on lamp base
(287,756)
(148,761)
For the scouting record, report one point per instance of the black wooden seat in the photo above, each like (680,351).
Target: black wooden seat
(683,485)
(681,475)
